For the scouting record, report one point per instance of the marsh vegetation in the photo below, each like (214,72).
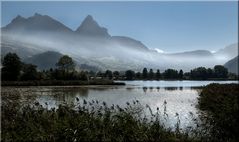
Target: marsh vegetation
(97,121)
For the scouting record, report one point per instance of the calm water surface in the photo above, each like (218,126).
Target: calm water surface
(179,96)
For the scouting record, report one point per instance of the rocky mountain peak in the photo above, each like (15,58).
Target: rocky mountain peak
(89,27)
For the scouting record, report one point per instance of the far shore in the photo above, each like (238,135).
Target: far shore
(214,79)
(90,82)
(60,83)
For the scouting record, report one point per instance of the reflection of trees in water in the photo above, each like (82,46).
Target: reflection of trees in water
(100,88)
(129,88)
(69,94)
(181,88)
(151,89)
(158,88)
(171,88)
(145,89)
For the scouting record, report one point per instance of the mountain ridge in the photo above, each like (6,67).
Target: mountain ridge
(89,27)
(37,22)
(92,45)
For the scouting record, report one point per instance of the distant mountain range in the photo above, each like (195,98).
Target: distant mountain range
(41,40)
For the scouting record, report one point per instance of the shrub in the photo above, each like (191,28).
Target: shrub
(221,104)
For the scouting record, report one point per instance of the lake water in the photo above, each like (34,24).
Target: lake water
(179,96)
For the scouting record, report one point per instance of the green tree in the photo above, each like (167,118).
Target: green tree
(99,74)
(151,74)
(91,73)
(199,73)
(66,64)
(158,75)
(83,76)
(29,72)
(145,73)
(180,75)
(108,74)
(138,75)
(116,74)
(209,73)
(129,74)
(11,67)
(170,74)
(220,71)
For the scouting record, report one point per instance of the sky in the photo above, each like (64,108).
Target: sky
(168,26)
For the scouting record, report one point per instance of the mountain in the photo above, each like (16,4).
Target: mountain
(92,47)
(90,27)
(45,60)
(195,53)
(127,41)
(90,44)
(232,65)
(36,23)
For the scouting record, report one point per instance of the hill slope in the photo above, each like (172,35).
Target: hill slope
(232,65)
(44,60)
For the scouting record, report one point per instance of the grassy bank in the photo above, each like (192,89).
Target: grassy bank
(89,121)
(59,83)
(220,102)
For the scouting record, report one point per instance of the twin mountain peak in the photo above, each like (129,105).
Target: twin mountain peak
(38,22)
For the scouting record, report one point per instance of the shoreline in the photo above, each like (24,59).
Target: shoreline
(59,83)
(183,80)
(81,83)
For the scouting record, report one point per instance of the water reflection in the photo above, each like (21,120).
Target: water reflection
(158,89)
(145,89)
(74,91)
(181,88)
(130,88)
(171,88)
(151,89)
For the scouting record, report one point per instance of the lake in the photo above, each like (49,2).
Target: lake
(178,96)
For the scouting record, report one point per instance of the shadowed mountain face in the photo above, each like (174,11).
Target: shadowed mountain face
(36,23)
(126,41)
(196,53)
(232,65)
(93,47)
(44,60)
(90,27)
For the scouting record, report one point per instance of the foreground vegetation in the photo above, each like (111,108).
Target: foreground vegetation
(89,121)
(221,104)
(96,121)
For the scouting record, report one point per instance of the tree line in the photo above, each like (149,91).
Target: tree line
(14,69)
(200,73)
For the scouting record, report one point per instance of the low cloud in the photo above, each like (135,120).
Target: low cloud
(159,50)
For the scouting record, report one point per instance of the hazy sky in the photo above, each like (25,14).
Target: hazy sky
(169,26)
